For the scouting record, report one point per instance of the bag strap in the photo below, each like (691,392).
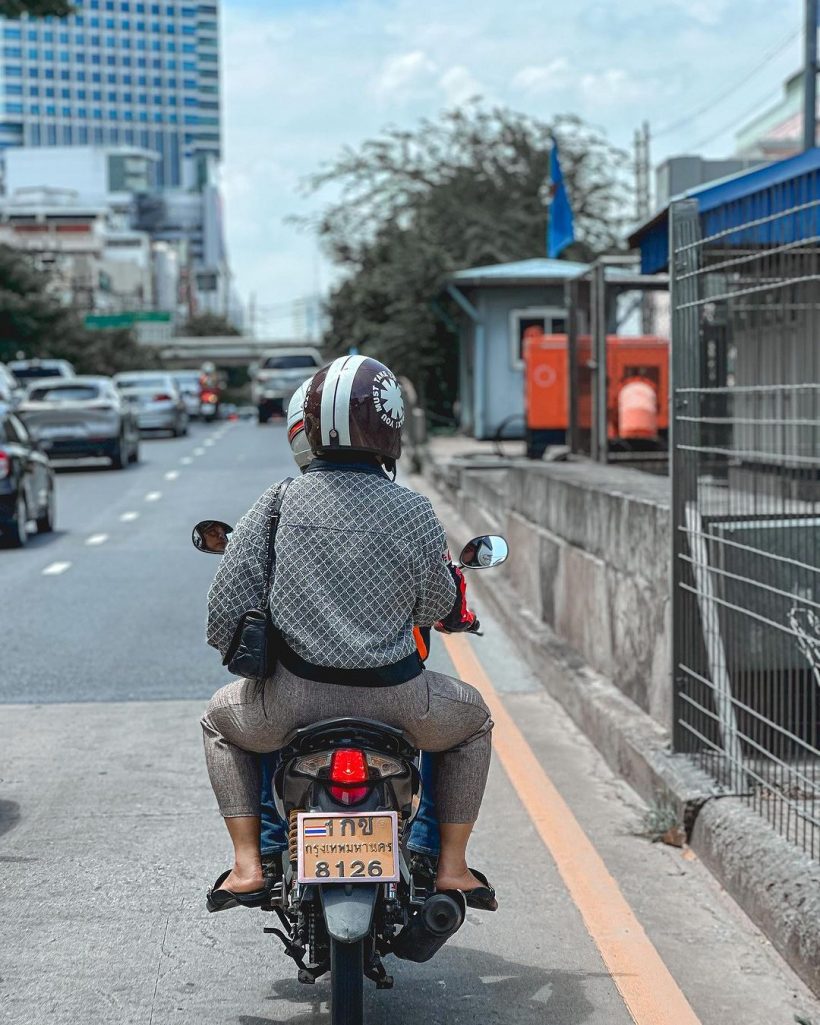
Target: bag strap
(274,526)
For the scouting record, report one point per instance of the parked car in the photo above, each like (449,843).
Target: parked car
(279,374)
(10,390)
(189,388)
(27,370)
(26,483)
(156,400)
(82,417)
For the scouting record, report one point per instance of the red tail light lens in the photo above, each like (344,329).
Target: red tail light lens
(5,464)
(348,768)
(209,397)
(162,397)
(349,765)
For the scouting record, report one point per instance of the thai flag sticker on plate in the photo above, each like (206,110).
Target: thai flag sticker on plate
(316,831)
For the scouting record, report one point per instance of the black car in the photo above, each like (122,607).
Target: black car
(26,483)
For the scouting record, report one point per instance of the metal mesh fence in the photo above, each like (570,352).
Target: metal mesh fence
(746,499)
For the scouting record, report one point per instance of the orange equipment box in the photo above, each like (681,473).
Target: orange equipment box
(634,363)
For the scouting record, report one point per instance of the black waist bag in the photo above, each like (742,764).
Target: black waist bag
(254,649)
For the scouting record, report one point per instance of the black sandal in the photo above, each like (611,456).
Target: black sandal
(220,900)
(482,897)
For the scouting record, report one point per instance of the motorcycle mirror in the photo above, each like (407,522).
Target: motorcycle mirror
(485,551)
(211,536)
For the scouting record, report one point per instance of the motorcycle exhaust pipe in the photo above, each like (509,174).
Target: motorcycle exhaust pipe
(439,917)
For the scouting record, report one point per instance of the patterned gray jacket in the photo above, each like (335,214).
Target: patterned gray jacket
(359,561)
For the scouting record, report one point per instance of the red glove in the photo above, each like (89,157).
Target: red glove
(461,618)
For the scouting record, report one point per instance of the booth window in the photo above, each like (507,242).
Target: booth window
(549,320)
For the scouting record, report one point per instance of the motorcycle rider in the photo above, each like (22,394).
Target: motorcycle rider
(359,561)
(424,833)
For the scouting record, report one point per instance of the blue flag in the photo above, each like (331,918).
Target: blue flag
(560,227)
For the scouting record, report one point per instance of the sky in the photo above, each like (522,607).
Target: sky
(302,78)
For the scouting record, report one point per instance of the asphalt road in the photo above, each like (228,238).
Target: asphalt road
(109,834)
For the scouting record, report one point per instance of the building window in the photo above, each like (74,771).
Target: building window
(13,90)
(82,112)
(48,37)
(111,97)
(79,39)
(66,111)
(126,98)
(96,96)
(33,55)
(142,44)
(94,22)
(128,115)
(51,110)
(143,115)
(173,119)
(111,41)
(64,56)
(49,91)
(189,47)
(80,76)
(111,78)
(112,114)
(12,51)
(51,131)
(189,30)
(35,129)
(65,94)
(81,94)
(48,73)
(95,40)
(14,71)
(94,5)
(11,32)
(96,113)
(191,101)
(129,136)
(535,320)
(79,58)
(156,27)
(110,23)
(98,136)
(96,59)
(170,65)
(142,80)
(189,66)
(62,37)
(34,90)
(13,108)
(142,99)
(82,133)
(125,25)
(111,61)
(96,76)
(142,62)
(126,62)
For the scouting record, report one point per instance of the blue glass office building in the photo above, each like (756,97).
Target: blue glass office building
(117,72)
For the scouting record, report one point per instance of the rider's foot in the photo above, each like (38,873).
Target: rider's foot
(244,879)
(464,880)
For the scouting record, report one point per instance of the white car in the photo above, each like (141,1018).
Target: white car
(28,370)
(10,390)
(156,400)
(280,373)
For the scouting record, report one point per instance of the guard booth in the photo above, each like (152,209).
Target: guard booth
(637,395)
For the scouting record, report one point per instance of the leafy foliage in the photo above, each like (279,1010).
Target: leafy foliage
(35,8)
(465,190)
(33,323)
(208,325)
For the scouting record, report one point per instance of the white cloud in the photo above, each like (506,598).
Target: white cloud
(404,72)
(537,79)
(459,86)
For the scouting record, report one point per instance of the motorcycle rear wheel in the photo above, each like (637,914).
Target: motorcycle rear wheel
(346,982)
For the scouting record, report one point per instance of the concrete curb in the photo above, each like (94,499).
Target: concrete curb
(776,885)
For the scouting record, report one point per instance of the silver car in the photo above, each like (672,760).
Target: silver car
(81,417)
(156,400)
(189,387)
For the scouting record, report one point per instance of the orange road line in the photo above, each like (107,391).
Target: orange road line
(651,995)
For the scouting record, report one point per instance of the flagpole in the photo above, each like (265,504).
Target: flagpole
(810,76)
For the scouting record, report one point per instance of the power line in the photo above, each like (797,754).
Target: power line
(771,95)
(732,89)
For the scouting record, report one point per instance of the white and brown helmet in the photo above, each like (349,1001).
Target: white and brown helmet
(355,404)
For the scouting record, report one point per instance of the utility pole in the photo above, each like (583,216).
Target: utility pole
(810,76)
(642,173)
(252,315)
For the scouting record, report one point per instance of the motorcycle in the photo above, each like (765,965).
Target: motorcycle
(350,895)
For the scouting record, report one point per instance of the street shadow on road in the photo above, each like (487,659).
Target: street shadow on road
(9,815)
(458,985)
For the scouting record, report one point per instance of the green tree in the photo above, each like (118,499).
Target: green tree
(208,325)
(464,190)
(35,8)
(34,323)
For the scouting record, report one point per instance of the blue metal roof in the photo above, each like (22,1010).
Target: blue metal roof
(522,272)
(740,199)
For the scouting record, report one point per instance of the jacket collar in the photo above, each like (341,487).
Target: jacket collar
(320,465)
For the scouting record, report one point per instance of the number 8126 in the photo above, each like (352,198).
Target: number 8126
(358,870)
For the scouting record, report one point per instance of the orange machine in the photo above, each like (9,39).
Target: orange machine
(637,389)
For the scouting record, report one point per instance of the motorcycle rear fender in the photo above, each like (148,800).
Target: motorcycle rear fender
(348,910)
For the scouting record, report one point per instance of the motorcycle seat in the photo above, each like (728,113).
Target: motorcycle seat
(349,732)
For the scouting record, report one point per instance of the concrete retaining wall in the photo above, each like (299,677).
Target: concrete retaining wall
(590,551)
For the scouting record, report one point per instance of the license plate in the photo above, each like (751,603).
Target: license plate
(338,848)
(61,433)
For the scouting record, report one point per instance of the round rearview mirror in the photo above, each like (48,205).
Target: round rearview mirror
(211,536)
(482,552)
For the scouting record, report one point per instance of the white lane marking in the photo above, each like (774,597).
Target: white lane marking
(129,517)
(153,496)
(172,475)
(55,569)
(199,451)
(96,539)
(186,460)
(208,442)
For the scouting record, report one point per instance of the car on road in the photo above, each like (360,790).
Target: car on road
(189,388)
(156,400)
(10,390)
(28,370)
(26,483)
(82,417)
(279,374)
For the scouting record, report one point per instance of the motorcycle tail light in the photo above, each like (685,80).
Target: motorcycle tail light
(383,765)
(162,397)
(348,795)
(312,765)
(349,766)
(209,397)
(5,464)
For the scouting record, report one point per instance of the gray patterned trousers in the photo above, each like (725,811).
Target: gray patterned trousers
(437,712)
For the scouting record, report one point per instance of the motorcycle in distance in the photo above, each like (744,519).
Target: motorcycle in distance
(350,789)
